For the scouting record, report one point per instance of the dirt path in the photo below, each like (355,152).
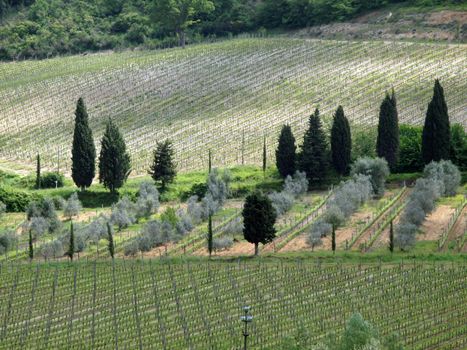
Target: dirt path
(239,248)
(366,235)
(436,223)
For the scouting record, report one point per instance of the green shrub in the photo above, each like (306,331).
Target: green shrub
(52,180)
(16,200)
(410,158)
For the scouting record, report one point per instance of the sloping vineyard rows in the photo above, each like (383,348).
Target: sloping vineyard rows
(449,235)
(223,96)
(150,305)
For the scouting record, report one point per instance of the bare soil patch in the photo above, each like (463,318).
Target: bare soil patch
(436,223)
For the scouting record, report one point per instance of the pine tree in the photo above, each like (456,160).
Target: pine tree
(83,167)
(259,217)
(210,236)
(286,152)
(71,246)
(391,238)
(436,137)
(163,169)
(341,142)
(387,143)
(38,171)
(31,246)
(313,158)
(264,156)
(114,161)
(111,241)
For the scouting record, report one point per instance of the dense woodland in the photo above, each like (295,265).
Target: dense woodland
(45,28)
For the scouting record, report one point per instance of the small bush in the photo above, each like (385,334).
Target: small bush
(72,206)
(17,200)
(2,208)
(52,180)
(222,243)
(376,168)
(7,241)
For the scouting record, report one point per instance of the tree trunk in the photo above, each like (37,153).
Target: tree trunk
(181,38)
(256,249)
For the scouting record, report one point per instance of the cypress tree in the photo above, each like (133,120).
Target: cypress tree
(313,158)
(387,142)
(83,167)
(163,169)
(209,162)
(391,238)
(111,241)
(264,155)
(333,238)
(210,237)
(31,246)
(114,161)
(38,171)
(259,217)
(71,246)
(286,152)
(436,137)
(341,142)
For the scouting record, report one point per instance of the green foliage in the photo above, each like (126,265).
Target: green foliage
(179,15)
(111,241)
(114,161)
(71,244)
(286,152)
(30,246)
(83,168)
(170,216)
(410,159)
(363,142)
(17,200)
(259,218)
(377,169)
(436,137)
(387,142)
(163,169)
(313,157)
(341,142)
(459,146)
(52,180)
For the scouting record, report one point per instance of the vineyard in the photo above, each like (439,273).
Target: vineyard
(197,305)
(224,96)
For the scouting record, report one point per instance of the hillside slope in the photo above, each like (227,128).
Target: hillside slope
(222,96)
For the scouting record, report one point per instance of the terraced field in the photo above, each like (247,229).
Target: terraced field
(193,305)
(222,96)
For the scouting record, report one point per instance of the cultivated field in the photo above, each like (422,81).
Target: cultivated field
(193,305)
(221,96)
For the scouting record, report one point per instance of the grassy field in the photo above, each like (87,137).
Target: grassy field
(224,96)
(197,305)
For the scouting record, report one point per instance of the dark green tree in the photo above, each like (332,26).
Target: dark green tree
(31,246)
(259,217)
(210,236)
(459,146)
(436,137)
(38,171)
(264,155)
(209,162)
(163,168)
(341,142)
(71,245)
(286,152)
(313,157)
(83,152)
(387,142)
(111,241)
(391,237)
(114,161)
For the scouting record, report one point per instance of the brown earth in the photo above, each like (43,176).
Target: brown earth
(436,223)
(239,248)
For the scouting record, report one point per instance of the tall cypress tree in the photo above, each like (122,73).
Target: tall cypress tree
(264,155)
(163,168)
(391,237)
(436,137)
(114,161)
(387,143)
(286,152)
(38,171)
(71,245)
(313,158)
(31,246)
(111,241)
(210,236)
(341,142)
(83,167)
